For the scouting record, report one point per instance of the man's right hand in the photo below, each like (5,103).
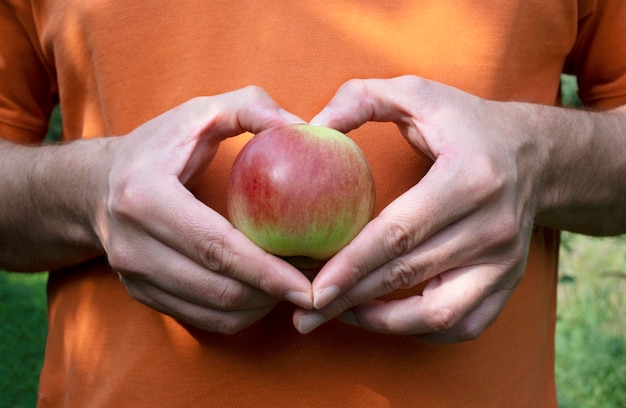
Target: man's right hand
(171,251)
(174,253)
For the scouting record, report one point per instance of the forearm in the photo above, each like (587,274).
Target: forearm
(47,206)
(584,185)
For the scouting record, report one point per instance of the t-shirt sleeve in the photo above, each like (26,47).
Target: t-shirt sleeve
(27,86)
(598,57)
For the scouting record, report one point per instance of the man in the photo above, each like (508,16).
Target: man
(474,180)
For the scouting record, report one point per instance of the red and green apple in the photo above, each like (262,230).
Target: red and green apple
(301,192)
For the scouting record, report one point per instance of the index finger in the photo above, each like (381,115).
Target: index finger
(187,136)
(203,235)
(399,228)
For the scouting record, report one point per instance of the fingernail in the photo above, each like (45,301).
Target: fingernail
(309,321)
(290,116)
(349,318)
(324,296)
(321,118)
(301,299)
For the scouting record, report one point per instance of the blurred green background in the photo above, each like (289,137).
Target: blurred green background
(590,340)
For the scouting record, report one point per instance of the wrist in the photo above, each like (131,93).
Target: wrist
(582,187)
(50,213)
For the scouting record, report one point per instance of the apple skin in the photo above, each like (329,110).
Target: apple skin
(301,192)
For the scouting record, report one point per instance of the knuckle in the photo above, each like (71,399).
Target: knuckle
(504,235)
(398,239)
(122,258)
(440,319)
(412,83)
(128,200)
(215,255)
(400,276)
(253,92)
(485,183)
(231,296)
(341,304)
(355,274)
(355,86)
(507,229)
(193,101)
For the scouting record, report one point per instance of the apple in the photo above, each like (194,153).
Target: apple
(301,192)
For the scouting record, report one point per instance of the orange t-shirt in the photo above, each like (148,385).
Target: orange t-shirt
(116,64)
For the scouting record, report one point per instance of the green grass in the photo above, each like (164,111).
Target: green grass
(591,335)
(22,337)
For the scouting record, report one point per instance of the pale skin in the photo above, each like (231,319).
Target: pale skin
(126,197)
(498,168)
